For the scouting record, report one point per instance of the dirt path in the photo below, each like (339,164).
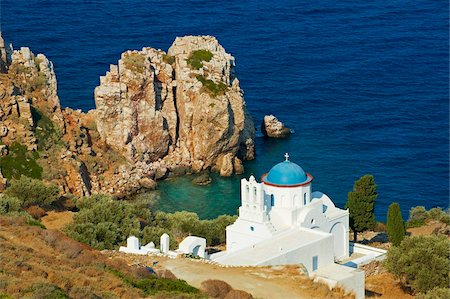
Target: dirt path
(260,282)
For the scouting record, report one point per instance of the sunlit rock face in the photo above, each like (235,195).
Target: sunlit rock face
(171,107)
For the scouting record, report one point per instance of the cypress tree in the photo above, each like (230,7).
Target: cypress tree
(361,205)
(395,224)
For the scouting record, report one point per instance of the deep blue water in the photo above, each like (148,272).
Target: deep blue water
(364,84)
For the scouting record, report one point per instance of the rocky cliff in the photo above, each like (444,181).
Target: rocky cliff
(156,114)
(183,108)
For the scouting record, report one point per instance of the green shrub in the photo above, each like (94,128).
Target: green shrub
(211,87)
(436,293)
(154,285)
(34,222)
(395,224)
(9,204)
(48,291)
(134,62)
(196,58)
(32,192)
(103,223)
(417,216)
(421,262)
(19,162)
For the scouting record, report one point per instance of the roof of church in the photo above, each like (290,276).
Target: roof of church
(286,173)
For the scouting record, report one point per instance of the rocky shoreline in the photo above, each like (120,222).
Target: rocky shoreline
(157,114)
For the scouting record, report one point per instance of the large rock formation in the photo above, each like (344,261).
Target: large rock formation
(157,114)
(156,105)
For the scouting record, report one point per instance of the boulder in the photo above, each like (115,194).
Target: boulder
(147,183)
(202,180)
(272,127)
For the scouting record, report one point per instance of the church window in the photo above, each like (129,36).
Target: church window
(252,228)
(315,262)
(254,193)
(304,199)
(272,200)
(248,191)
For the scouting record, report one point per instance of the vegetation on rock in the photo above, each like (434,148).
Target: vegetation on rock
(45,131)
(361,203)
(395,224)
(20,161)
(196,58)
(421,262)
(134,61)
(211,87)
(168,59)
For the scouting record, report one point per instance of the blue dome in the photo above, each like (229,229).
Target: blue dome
(286,173)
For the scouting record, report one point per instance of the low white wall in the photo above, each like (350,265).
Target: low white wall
(350,279)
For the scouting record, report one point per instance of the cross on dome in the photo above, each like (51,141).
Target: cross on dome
(286,156)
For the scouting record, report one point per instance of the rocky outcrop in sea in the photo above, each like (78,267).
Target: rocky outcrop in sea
(157,114)
(272,127)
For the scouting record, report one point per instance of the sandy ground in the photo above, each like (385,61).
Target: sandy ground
(283,282)
(261,283)
(425,230)
(57,220)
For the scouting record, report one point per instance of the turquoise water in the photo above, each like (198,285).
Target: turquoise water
(364,84)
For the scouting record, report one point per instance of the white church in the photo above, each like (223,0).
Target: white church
(282,221)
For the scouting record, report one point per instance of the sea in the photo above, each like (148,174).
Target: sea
(364,84)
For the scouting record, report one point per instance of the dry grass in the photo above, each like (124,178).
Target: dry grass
(57,220)
(384,286)
(48,263)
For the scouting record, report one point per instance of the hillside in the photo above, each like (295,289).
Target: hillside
(39,263)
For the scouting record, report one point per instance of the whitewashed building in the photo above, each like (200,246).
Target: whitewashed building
(282,221)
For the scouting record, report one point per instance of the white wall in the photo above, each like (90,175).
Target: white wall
(304,255)
(240,234)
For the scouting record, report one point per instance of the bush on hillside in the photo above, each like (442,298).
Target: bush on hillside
(421,262)
(32,192)
(419,215)
(9,204)
(436,293)
(103,222)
